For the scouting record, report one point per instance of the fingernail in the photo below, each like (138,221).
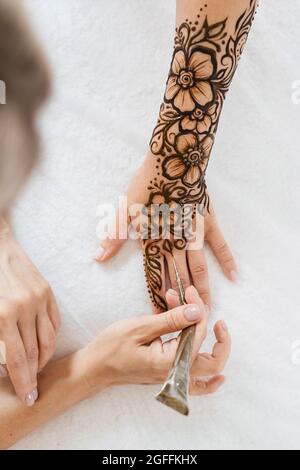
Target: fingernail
(35,394)
(3,372)
(234,276)
(224,325)
(31,397)
(172,292)
(99,253)
(192,313)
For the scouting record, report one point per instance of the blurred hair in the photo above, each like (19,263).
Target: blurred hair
(26,76)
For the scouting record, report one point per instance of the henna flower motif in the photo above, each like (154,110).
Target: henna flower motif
(199,120)
(191,160)
(188,85)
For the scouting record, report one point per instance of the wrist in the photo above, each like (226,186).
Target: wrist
(95,373)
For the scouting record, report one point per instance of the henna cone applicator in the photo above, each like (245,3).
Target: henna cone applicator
(174,392)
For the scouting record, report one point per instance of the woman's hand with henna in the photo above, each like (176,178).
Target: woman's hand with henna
(29,318)
(159,269)
(208,45)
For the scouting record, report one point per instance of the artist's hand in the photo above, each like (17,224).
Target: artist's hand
(159,268)
(29,318)
(131,351)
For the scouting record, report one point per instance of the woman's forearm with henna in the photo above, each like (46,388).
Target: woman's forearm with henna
(209,41)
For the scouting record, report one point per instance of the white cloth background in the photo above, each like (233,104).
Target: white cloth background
(110,62)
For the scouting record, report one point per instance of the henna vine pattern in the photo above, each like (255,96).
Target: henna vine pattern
(204,62)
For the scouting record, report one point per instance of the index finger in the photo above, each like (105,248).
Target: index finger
(17,365)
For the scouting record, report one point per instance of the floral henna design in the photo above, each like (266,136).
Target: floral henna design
(204,61)
(191,159)
(189,84)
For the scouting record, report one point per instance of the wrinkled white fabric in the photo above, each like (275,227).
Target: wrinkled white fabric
(110,62)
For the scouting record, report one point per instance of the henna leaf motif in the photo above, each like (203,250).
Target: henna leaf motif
(216,29)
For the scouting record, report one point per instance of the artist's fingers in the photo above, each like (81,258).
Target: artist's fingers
(17,366)
(192,297)
(172,298)
(221,250)
(156,282)
(27,329)
(53,312)
(46,339)
(222,347)
(182,268)
(214,364)
(152,327)
(114,239)
(206,387)
(199,272)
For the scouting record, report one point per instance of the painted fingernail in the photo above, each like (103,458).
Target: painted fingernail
(172,292)
(234,276)
(99,253)
(192,313)
(31,397)
(224,325)
(35,394)
(3,372)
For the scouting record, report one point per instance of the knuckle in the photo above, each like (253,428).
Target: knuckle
(39,295)
(200,270)
(224,251)
(222,247)
(7,314)
(42,292)
(33,354)
(172,321)
(217,367)
(5,319)
(18,361)
(22,300)
(48,343)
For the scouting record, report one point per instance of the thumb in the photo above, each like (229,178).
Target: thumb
(114,240)
(174,320)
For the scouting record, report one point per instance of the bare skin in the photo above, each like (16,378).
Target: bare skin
(127,352)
